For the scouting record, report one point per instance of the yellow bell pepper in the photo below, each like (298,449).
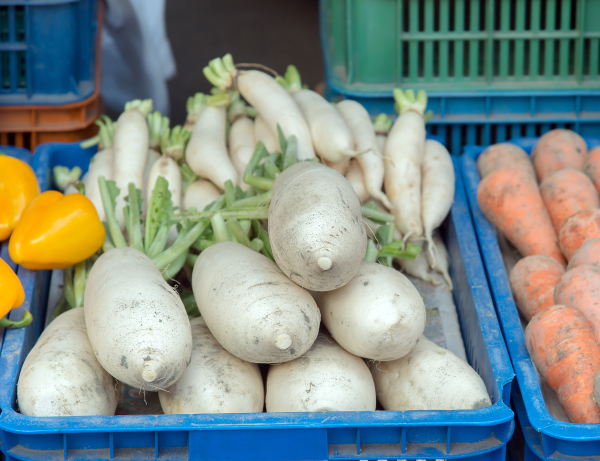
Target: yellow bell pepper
(56,231)
(18,187)
(11,290)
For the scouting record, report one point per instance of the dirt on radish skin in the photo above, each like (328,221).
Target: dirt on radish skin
(137,325)
(61,376)
(215,381)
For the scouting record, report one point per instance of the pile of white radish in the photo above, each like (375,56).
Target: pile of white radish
(263,231)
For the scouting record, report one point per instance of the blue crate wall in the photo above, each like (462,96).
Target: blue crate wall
(47,51)
(545,437)
(478,435)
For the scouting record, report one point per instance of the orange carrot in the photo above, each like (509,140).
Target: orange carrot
(589,253)
(580,287)
(592,169)
(566,192)
(557,150)
(504,155)
(532,281)
(577,230)
(511,200)
(563,348)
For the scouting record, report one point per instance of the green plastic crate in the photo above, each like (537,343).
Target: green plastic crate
(461,45)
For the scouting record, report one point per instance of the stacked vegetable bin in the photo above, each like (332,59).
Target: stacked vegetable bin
(49,75)
(494,71)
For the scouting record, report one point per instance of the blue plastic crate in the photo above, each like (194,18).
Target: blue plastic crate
(47,51)
(545,437)
(476,435)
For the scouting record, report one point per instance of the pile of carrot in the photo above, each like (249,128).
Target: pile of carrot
(548,207)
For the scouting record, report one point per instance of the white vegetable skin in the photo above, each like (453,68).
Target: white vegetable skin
(331,136)
(130,153)
(153,157)
(326,378)
(418,267)
(241,146)
(371,161)
(316,229)
(437,190)
(199,194)
(263,133)
(100,165)
(276,107)
(429,378)
(341,167)
(206,152)
(137,325)
(404,149)
(215,381)
(168,169)
(61,376)
(378,315)
(252,308)
(381,140)
(355,177)
(440,260)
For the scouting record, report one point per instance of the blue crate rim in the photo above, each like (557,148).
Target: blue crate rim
(498,413)
(541,420)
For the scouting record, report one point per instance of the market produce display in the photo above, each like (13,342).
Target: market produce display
(258,233)
(550,224)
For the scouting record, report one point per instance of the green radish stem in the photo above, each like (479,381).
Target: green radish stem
(247,213)
(238,233)
(173,142)
(194,106)
(407,100)
(79,281)
(271,170)
(229,193)
(290,157)
(382,124)
(134,228)
(259,153)
(68,286)
(376,215)
(188,176)
(220,72)
(372,252)
(261,233)
(257,245)
(219,228)
(25,320)
(159,209)
(246,226)
(144,106)
(109,193)
(191,259)
(173,268)
(238,108)
(255,201)
(203,244)
(104,138)
(259,183)
(400,249)
(182,243)
(160,241)
(157,126)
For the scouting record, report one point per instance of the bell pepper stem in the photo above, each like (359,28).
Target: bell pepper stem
(109,209)
(181,245)
(25,320)
(79,281)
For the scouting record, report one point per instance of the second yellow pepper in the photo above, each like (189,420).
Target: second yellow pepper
(56,231)
(11,290)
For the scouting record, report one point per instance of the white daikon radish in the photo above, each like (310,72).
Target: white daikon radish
(206,152)
(404,152)
(153,157)
(100,165)
(61,376)
(437,190)
(166,167)
(355,177)
(371,161)
(378,315)
(382,125)
(268,97)
(215,381)
(263,133)
(418,267)
(315,227)
(137,325)
(341,167)
(199,194)
(429,378)
(252,308)
(130,151)
(326,378)
(241,145)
